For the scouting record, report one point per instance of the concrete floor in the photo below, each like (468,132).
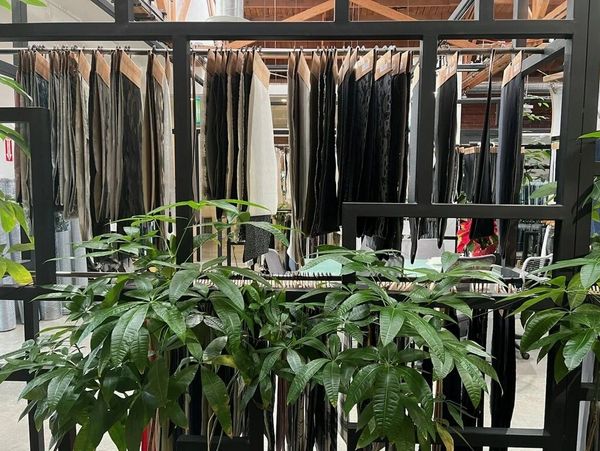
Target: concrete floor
(529,410)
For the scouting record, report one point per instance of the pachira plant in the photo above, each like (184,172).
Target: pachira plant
(110,370)
(136,341)
(570,325)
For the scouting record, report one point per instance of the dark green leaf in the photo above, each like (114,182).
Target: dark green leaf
(361,384)
(578,347)
(391,320)
(182,280)
(303,377)
(171,315)
(216,394)
(537,326)
(126,331)
(228,289)
(386,400)
(590,274)
(331,381)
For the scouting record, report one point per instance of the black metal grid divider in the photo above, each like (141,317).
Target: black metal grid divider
(579,114)
(38,120)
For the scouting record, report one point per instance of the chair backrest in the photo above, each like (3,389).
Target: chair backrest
(533,264)
(548,241)
(274,264)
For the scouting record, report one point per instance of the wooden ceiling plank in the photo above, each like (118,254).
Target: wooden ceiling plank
(185,9)
(540,8)
(383,10)
(558,13)
(315,11)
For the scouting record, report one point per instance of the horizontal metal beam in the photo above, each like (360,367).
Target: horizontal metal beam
(368,209)
(504,29)
(8,69)
(505,437)
(554,50)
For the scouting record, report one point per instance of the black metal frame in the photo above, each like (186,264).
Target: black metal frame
(579,32)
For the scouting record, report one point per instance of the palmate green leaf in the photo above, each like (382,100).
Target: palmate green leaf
(294,360)
(232,323)
(449,259)
(578,347)
(445,437)
(590,274)
(415,381)
(576,292)
(182,280)
(331,381)
(592,135)
(391,320)
(126,331)
(117,435)
(171,315)
(386,399)
(215,348)
(18,272)
(215,391)
(137,419)
(228,289)
(368,435)
(361,385)
(303,377)
(58,387)
(429,334)
(537,326)
(176,415)
(545,190)
(355,300)
(472,380)
(158,380)
(139,349)
(560,369)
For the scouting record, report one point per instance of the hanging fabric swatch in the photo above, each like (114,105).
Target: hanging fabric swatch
(81,86)
(445,174)
(299,89)
(324,186)
(127,198)
(482,188)
(345,115)
(261,170)
(243,113)
(101,140)
(386,173)
(509,165)
(158,159)
(33,75)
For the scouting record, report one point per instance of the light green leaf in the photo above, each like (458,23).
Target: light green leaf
(449,259)
(8,81)
(386,400)
(331,381)
(590,274)
(548,189)
(537,326)
(19,273)
(445,437)
(171,315)
(592,135)
(576,292)
(182,280)
(578,347)
(228,289)
(139,349)
(126,331)
(215,391)
(361,384)
(303,377)
(391,320)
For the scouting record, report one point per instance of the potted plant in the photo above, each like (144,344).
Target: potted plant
(136,341)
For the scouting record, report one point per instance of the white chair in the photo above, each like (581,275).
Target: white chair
(548,241)
(533,265)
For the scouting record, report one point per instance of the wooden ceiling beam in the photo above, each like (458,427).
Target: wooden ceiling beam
(315,11)
(539,9)
(185,9)
(558,13)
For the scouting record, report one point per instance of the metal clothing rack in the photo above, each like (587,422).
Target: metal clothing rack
(575,39)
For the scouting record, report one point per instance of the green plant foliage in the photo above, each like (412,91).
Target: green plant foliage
(111,370)
(571,327)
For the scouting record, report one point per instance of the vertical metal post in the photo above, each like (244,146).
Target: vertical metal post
(43,232)
(426,119)
(342,11)
(484,10)
(123,11)
(579,112)
(520,11)
(184,147)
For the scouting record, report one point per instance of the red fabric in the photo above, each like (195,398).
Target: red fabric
(145,439)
